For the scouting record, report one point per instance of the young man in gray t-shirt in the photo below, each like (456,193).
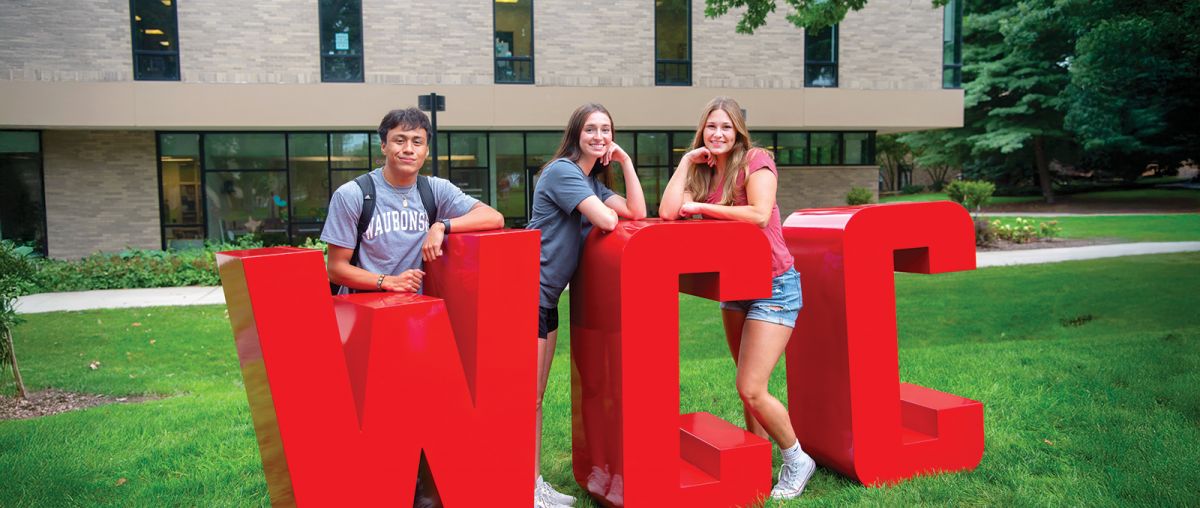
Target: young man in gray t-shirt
(399,236)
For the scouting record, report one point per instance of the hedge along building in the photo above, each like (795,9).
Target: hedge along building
(164,123)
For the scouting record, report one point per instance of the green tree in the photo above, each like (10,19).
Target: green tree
(810,14)
(1133,97)
(16,270)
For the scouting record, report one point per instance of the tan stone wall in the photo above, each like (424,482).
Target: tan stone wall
(605,44)
(65,41)
(822,186)
(232,41)
(771,58)
(101,191)
(891,45)
(424,43)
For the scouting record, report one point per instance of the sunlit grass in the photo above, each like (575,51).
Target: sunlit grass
(1079,412)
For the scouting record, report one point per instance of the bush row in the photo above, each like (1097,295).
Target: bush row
(132,268)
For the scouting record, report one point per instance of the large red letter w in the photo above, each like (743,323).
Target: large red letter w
(344,406)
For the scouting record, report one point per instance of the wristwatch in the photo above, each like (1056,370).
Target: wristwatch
(446,222)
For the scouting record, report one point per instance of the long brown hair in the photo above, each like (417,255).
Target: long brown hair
(699,180)
(569,148)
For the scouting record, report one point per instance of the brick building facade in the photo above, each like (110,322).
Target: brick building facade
(68,73)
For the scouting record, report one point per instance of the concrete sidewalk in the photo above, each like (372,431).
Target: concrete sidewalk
(119,298)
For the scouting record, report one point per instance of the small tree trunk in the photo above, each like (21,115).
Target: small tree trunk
(16,370)
(1043,168)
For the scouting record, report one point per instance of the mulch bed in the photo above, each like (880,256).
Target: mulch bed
(54,401)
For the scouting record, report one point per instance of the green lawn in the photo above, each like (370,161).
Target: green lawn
(1087,371)
(941,196)
(1117,196)
(1130,228)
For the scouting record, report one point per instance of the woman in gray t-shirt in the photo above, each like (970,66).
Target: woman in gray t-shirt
(574,193)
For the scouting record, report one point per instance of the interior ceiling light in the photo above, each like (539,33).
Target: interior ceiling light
(164,43)
(152,31)
(166,3)
(137,18)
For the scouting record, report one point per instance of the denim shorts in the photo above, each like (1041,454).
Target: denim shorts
(781,308)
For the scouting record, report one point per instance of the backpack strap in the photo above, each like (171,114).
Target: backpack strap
(367,186)
(426,192)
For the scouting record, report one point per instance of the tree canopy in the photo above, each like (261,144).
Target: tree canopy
(1111,85)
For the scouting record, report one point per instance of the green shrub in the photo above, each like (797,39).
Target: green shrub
(1022,230)
(972,194)
(912,189)
(859,196)
(136,268)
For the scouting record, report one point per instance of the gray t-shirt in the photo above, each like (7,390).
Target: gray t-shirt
(560,189)
(392,242)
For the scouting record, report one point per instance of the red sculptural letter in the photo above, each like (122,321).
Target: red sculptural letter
(625,365)
(846,401)
(344,406)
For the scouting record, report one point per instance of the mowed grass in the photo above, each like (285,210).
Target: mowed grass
(1127,228)
(1087,371)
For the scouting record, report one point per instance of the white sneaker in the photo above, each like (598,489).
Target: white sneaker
(793,477)
(616,491)
(553,495)
(541,501)
(598,480)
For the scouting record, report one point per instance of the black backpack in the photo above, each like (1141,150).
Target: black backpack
(368,211)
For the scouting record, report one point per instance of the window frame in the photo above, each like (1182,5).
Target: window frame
(135,52)
(496,59)
(659,78)
(955,67)
(833,64)
(44,246)
(358,52)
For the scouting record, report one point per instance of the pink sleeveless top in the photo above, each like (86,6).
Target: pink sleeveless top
(760,160)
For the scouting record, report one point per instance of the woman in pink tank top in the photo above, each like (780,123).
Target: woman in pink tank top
(725,177)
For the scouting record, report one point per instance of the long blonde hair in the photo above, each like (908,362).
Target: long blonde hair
(699,181)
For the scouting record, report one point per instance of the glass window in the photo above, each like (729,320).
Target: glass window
(681,143)
(652,149)
(22,199)
(508,158)
(308,166)
(155,40)
(244,151)
(350,150)
(341,40)
(339,177)
(952,45)
(179,158)
(468,164)
(513,41)
(792,149)
(763,140)
(443,143)
(820,57)
(245,202)
(825,149)
(672,42)
(376,151)
(858,148)
(625,141)
(539,151)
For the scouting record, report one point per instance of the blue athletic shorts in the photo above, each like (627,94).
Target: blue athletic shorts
(781,308)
